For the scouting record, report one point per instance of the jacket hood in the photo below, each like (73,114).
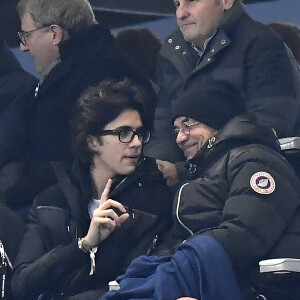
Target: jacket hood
(238,132)
(246,130)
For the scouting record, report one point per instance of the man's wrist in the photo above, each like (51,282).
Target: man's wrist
(84,246)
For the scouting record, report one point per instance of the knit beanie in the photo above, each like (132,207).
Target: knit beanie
(213,105)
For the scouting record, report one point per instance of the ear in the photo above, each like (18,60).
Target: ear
(58,34)
(227,4)
(92,142)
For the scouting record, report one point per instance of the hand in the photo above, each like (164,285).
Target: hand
(105,220)
(168,170)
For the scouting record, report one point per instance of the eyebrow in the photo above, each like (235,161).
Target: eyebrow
(127,128)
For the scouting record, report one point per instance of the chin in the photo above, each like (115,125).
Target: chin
(187,38)
(128,170)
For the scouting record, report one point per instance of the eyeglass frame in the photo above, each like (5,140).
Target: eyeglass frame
(23,35)
(185,130)
(139,132)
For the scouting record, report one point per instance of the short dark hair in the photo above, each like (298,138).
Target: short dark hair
(143,45)
(102,104)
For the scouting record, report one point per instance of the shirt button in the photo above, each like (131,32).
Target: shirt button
(170,41)
(212,50)
(177,47)
(209,59)
(183,53)
(223,42)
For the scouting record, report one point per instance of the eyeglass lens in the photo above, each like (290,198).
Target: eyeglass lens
(186,128)
(126,136)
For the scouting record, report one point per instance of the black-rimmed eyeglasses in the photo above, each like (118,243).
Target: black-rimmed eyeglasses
(24,35)
(185,128)
(127,135)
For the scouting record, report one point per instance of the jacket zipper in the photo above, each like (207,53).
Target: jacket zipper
(4,262)
(177,210)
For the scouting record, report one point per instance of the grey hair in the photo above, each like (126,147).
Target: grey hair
(72,15)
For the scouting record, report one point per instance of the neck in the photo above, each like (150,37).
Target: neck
(201,44)
(100,180)
(45,72)
(100,176)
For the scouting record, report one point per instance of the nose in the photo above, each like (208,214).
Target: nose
(181,137)
(23,47)
(182,11)
(135,142)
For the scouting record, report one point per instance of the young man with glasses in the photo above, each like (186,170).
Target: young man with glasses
(86,230)
(71,52)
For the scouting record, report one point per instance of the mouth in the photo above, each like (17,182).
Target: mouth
(191,149)
(187,149)
(186,25)
(132,158)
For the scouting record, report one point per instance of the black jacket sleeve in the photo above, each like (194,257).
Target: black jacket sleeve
(252,223)
(42,269)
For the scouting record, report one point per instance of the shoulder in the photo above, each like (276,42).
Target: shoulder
(252,31)
(255,158)
(52,196)
(254,151)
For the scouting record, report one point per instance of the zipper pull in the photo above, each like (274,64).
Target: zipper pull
(3,286)
(2,253)
(153,245)
(93,262)
(8,260)
(154,242)
(4,261)
(131,212)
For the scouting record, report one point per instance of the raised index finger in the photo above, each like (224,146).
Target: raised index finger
(105,192)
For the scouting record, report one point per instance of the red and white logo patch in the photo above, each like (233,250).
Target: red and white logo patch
(262,183)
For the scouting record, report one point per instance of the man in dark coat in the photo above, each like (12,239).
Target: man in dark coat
(217,40)
(71,52)
(16,90)
(240,191)
(116,202)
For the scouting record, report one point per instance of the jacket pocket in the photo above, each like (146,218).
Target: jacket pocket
(55,221)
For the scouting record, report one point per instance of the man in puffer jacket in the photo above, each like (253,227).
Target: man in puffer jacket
(239,190)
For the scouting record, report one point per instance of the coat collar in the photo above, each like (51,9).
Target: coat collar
(222,38)
(232,16)
(82,179)
(96,34)
(76,50)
